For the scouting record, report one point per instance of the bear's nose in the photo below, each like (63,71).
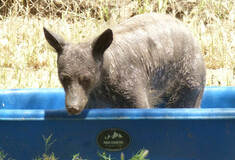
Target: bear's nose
(73,110)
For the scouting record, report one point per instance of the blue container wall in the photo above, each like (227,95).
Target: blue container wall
(218,97)
(169,134)
(214,97)
(165,139)
(32,98)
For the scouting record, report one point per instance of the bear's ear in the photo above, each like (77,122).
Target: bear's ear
(55,40)
(101,43)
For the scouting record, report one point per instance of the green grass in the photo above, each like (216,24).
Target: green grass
(47,155)
(140,155)
(2,155)
(27,61)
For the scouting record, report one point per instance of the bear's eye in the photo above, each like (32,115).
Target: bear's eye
(64,78)
(85,81)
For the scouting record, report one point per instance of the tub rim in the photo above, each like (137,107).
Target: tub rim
(120,114)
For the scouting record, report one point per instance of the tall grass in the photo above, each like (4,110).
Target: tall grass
(27,61)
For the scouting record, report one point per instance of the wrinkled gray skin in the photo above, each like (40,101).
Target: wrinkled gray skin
(150,60)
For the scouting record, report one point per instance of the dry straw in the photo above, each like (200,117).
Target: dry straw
(27,61)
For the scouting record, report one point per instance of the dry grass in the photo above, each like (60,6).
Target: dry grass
(26,61)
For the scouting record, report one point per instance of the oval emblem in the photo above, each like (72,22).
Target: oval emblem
(113,139)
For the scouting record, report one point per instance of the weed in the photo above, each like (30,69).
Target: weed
(141,155)
(48,143)
(2,155)
(46,155)
(104,156)
(77,157)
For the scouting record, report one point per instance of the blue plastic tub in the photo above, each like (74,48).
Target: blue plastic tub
(169,134)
